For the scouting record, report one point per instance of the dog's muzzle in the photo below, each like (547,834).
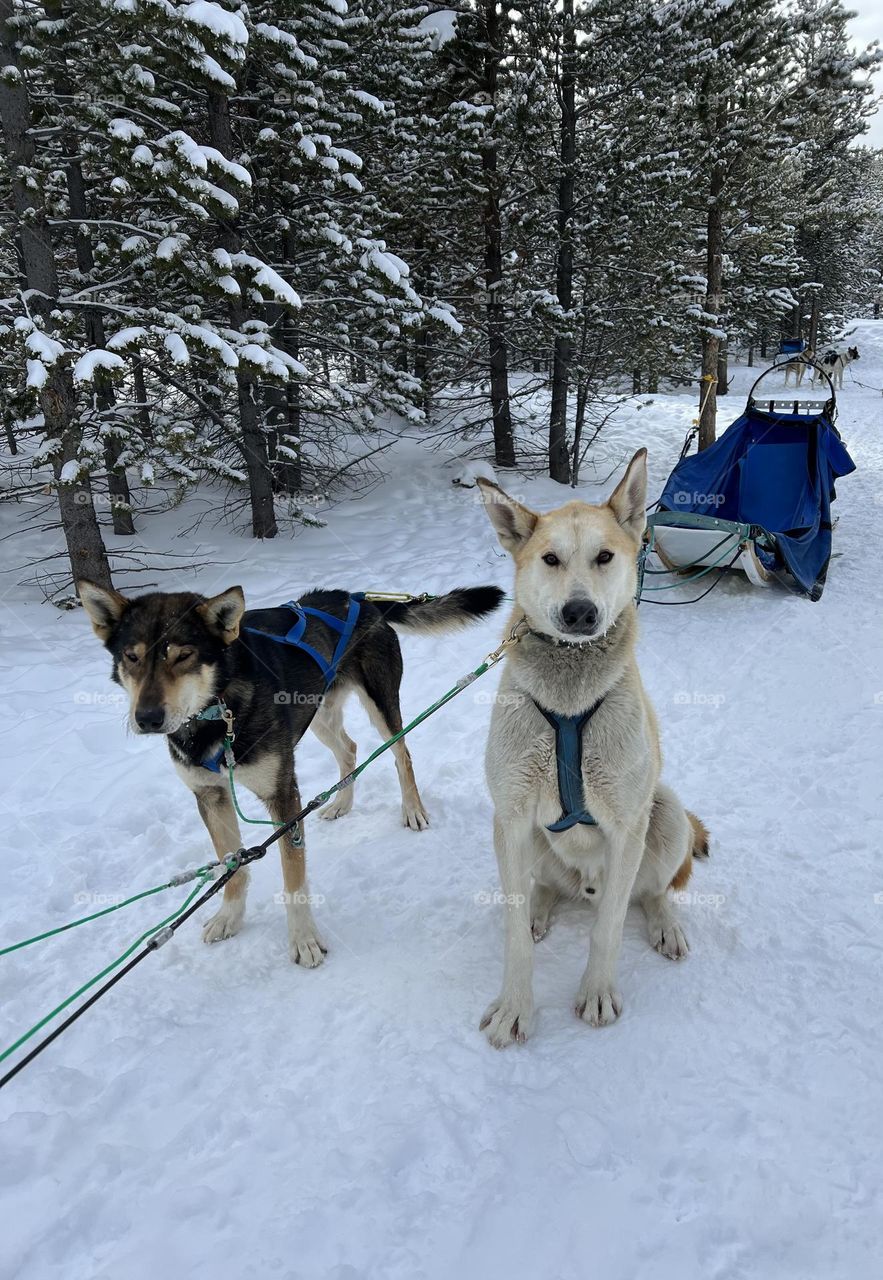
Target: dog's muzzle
(578,617)
(150,719)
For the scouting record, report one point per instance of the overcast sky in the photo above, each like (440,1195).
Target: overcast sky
(866,27)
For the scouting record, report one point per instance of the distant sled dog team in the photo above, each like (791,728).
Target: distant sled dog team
(573,759)
(833,362)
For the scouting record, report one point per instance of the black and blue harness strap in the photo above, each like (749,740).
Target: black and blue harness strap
(294,636)
(343,626)
(568,756)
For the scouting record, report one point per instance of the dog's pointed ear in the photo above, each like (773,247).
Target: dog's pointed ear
(105,607)
(628,502)
(222,614)
(513,522)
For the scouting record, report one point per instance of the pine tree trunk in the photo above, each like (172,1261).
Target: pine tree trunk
(253,439)
(141,406)
(812,339)
(796,321)
(723,369)
(582,399)
(88,558)
(284,403)
(636,382)
(117,484)
(559,468)
(712,307)
(85,548)
(498,352)
(257,462)
(422,354)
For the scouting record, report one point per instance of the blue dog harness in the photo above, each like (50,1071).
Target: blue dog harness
(344,627)
(569,757)
(294,636)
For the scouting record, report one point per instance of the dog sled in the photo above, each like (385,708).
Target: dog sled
(759,499)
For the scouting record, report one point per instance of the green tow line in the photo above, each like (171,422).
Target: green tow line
(160,933)
(108,968)
(117,906)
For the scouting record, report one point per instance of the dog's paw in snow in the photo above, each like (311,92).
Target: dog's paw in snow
(415,816)
(666,935)
(307,950)
(669,940)
(339,806)
(225,923)
(508,1020)
(598,1006)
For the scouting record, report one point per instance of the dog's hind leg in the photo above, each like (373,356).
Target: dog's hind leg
(667,863)
(328,728)
(219,816)
(379,694)
(305,946)
(542,899)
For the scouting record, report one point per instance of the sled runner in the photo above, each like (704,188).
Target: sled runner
(759,499)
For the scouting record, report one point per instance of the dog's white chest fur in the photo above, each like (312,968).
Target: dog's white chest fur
(260,778)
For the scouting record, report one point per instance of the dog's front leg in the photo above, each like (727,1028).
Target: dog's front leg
(599,1001)
(510,1017)
(219,816)
(304,944)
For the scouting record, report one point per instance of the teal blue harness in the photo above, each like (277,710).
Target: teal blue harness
(569,759)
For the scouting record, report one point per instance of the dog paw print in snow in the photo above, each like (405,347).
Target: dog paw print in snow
(467,473)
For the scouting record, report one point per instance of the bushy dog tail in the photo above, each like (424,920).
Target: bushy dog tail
(455,609)
(701,836)
(698,849)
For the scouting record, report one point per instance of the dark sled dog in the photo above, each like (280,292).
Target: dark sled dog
(177,655)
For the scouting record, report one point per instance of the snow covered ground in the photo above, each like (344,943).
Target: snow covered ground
(224,1114)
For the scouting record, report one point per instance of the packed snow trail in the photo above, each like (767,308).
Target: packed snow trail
(225,1114)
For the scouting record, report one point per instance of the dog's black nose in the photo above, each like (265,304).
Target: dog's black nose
(579,615)
(150,719)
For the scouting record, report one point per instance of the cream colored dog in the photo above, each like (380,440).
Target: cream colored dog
(627,836)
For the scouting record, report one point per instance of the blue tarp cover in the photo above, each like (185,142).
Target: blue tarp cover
(775,470)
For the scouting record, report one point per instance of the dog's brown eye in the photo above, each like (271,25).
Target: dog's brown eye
(551,559)
(130,655)
(183,654)
(604,557)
